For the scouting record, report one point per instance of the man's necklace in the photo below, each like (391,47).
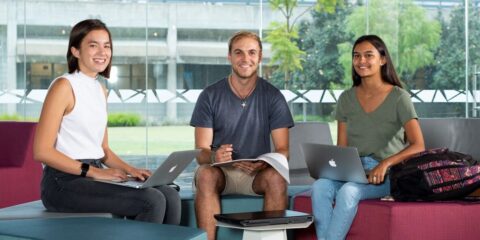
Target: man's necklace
(242,99)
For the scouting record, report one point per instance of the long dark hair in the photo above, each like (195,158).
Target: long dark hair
(387,70)
(78,33)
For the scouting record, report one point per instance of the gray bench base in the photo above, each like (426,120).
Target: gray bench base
(94,228)
(36,209)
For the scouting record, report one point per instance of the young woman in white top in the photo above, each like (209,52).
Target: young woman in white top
(72,141)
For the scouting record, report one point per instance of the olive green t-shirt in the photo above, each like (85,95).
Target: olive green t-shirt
(380,133)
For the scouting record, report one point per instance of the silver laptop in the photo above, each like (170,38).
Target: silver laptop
(165,173)
(334,162)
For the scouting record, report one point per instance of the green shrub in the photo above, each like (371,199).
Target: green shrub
(13,117)
(17,118)
(313,118)
(123,119)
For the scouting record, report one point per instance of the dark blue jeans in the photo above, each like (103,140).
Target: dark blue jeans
(63,192)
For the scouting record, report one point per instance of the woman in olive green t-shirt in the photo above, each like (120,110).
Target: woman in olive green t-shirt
(374,116)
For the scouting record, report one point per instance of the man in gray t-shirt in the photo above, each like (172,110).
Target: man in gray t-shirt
(234,119)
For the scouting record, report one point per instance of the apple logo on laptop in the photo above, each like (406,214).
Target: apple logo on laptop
(332,163)
(171,169)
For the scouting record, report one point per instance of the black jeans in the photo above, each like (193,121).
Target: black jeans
(63,192)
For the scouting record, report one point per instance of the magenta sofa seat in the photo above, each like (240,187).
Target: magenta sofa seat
(377,219)
(385,220)
(20,175)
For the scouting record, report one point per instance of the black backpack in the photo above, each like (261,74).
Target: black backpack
(435,174)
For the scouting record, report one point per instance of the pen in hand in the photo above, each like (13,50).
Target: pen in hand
(222,153)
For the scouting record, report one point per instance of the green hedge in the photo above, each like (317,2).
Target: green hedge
(313,118)
(16,118)
(13,117)
(123,119)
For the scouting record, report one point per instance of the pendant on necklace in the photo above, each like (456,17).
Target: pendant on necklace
(244,103)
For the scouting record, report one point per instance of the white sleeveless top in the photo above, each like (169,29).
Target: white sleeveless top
(82,130)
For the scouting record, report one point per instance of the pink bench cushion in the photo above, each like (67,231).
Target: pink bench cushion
(15,140)
(405,220)
(20,175)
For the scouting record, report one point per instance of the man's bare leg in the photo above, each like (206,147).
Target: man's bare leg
(273,186)
(210,181)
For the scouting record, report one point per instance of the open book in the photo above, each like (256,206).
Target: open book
(276,160)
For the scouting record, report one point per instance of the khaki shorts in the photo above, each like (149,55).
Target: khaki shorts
(236,182)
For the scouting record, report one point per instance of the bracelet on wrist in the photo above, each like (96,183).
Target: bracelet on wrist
(85,167)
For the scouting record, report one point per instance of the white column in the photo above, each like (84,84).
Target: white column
(172,60)
(10,82)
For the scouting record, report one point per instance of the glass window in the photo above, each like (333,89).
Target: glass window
(171,50)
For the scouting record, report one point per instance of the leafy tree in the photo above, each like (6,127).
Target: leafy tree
(285,50)
(411,38)
(450,60)
(319,40)
(283,35)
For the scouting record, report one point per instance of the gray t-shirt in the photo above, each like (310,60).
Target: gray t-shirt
(249,128)
(380,133)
